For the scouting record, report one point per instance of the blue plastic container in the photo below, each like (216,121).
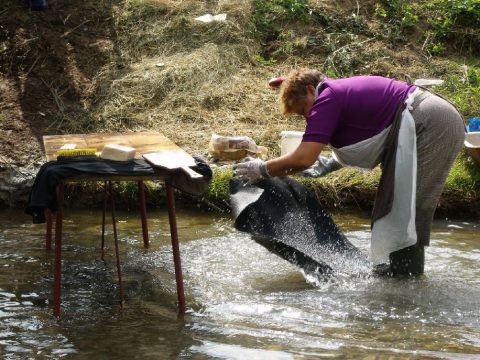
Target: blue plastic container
(38,5)
(473,124)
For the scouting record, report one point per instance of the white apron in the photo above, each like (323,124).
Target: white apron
(396,230)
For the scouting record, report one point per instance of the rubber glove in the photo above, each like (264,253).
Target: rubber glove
(322,167)
(251,170)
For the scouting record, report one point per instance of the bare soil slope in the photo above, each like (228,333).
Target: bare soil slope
(132,65)
(48,63)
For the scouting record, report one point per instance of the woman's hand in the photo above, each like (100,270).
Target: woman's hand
(251,170)
(300,159)
(323,167)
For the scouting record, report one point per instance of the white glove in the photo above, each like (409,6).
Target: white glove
(251,170)
(322,167)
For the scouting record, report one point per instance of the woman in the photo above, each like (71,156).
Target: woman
(368,120)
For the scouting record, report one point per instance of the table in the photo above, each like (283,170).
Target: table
(143,142)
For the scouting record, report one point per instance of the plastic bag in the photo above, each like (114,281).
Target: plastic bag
(473,124)
(235,148)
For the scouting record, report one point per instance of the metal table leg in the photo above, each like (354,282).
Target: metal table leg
(115,237)
(105,190)
(143,212)
(48,235)
(57,267)
(175,248)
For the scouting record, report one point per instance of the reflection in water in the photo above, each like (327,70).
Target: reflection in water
(244,303)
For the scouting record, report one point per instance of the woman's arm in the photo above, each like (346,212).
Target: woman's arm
(302,158)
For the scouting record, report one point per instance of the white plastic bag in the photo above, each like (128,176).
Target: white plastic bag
(210,18)
(235,148)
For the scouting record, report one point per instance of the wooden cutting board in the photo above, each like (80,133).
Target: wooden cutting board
(172,160)
(142,142)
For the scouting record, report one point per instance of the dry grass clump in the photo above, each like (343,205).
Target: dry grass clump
(347,187)
(147,27)
(185,78)
(189,96)
(189,79)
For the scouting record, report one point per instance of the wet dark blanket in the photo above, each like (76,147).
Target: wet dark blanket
(43,192)
(284,217)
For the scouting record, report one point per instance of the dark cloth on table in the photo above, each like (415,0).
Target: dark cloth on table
(43,192)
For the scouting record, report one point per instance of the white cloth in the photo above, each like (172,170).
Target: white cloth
(396,230)
(365,154)
(241,199)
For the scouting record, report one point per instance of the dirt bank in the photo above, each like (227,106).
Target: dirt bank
(124,65)
(48,63)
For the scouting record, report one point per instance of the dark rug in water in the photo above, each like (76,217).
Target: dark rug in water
(284,217)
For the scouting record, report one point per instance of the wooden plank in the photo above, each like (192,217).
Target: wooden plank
(173,160)
(98,141)
(143,142)
(149,142)
(52,143)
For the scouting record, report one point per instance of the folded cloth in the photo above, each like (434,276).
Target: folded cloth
(43,192)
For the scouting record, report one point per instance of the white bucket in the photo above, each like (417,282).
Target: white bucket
(290,141)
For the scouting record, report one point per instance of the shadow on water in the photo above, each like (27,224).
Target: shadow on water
(244,302)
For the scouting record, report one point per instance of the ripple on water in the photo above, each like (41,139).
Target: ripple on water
(243,301)
(346,308)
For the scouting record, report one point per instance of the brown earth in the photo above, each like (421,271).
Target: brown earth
(47,69)
(48,61)
(67,70)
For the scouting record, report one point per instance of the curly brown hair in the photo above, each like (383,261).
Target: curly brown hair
(293,91)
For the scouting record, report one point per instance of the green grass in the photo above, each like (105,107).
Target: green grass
(219,189)
(214,75)
(350,188)
(464,178)
(462,87)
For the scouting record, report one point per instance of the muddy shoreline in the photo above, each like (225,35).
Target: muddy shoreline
(16,182)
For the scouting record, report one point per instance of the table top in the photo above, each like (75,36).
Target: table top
(143,142)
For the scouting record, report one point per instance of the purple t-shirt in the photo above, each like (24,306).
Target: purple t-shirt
(353,109)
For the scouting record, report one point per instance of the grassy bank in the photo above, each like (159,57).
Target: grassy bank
(354,189)
(134,65)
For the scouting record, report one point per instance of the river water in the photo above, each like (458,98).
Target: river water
(243,302)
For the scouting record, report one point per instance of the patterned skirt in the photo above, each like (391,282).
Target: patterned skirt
(440,135)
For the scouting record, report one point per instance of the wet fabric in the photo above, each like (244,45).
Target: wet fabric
(284,217)
(43,192)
